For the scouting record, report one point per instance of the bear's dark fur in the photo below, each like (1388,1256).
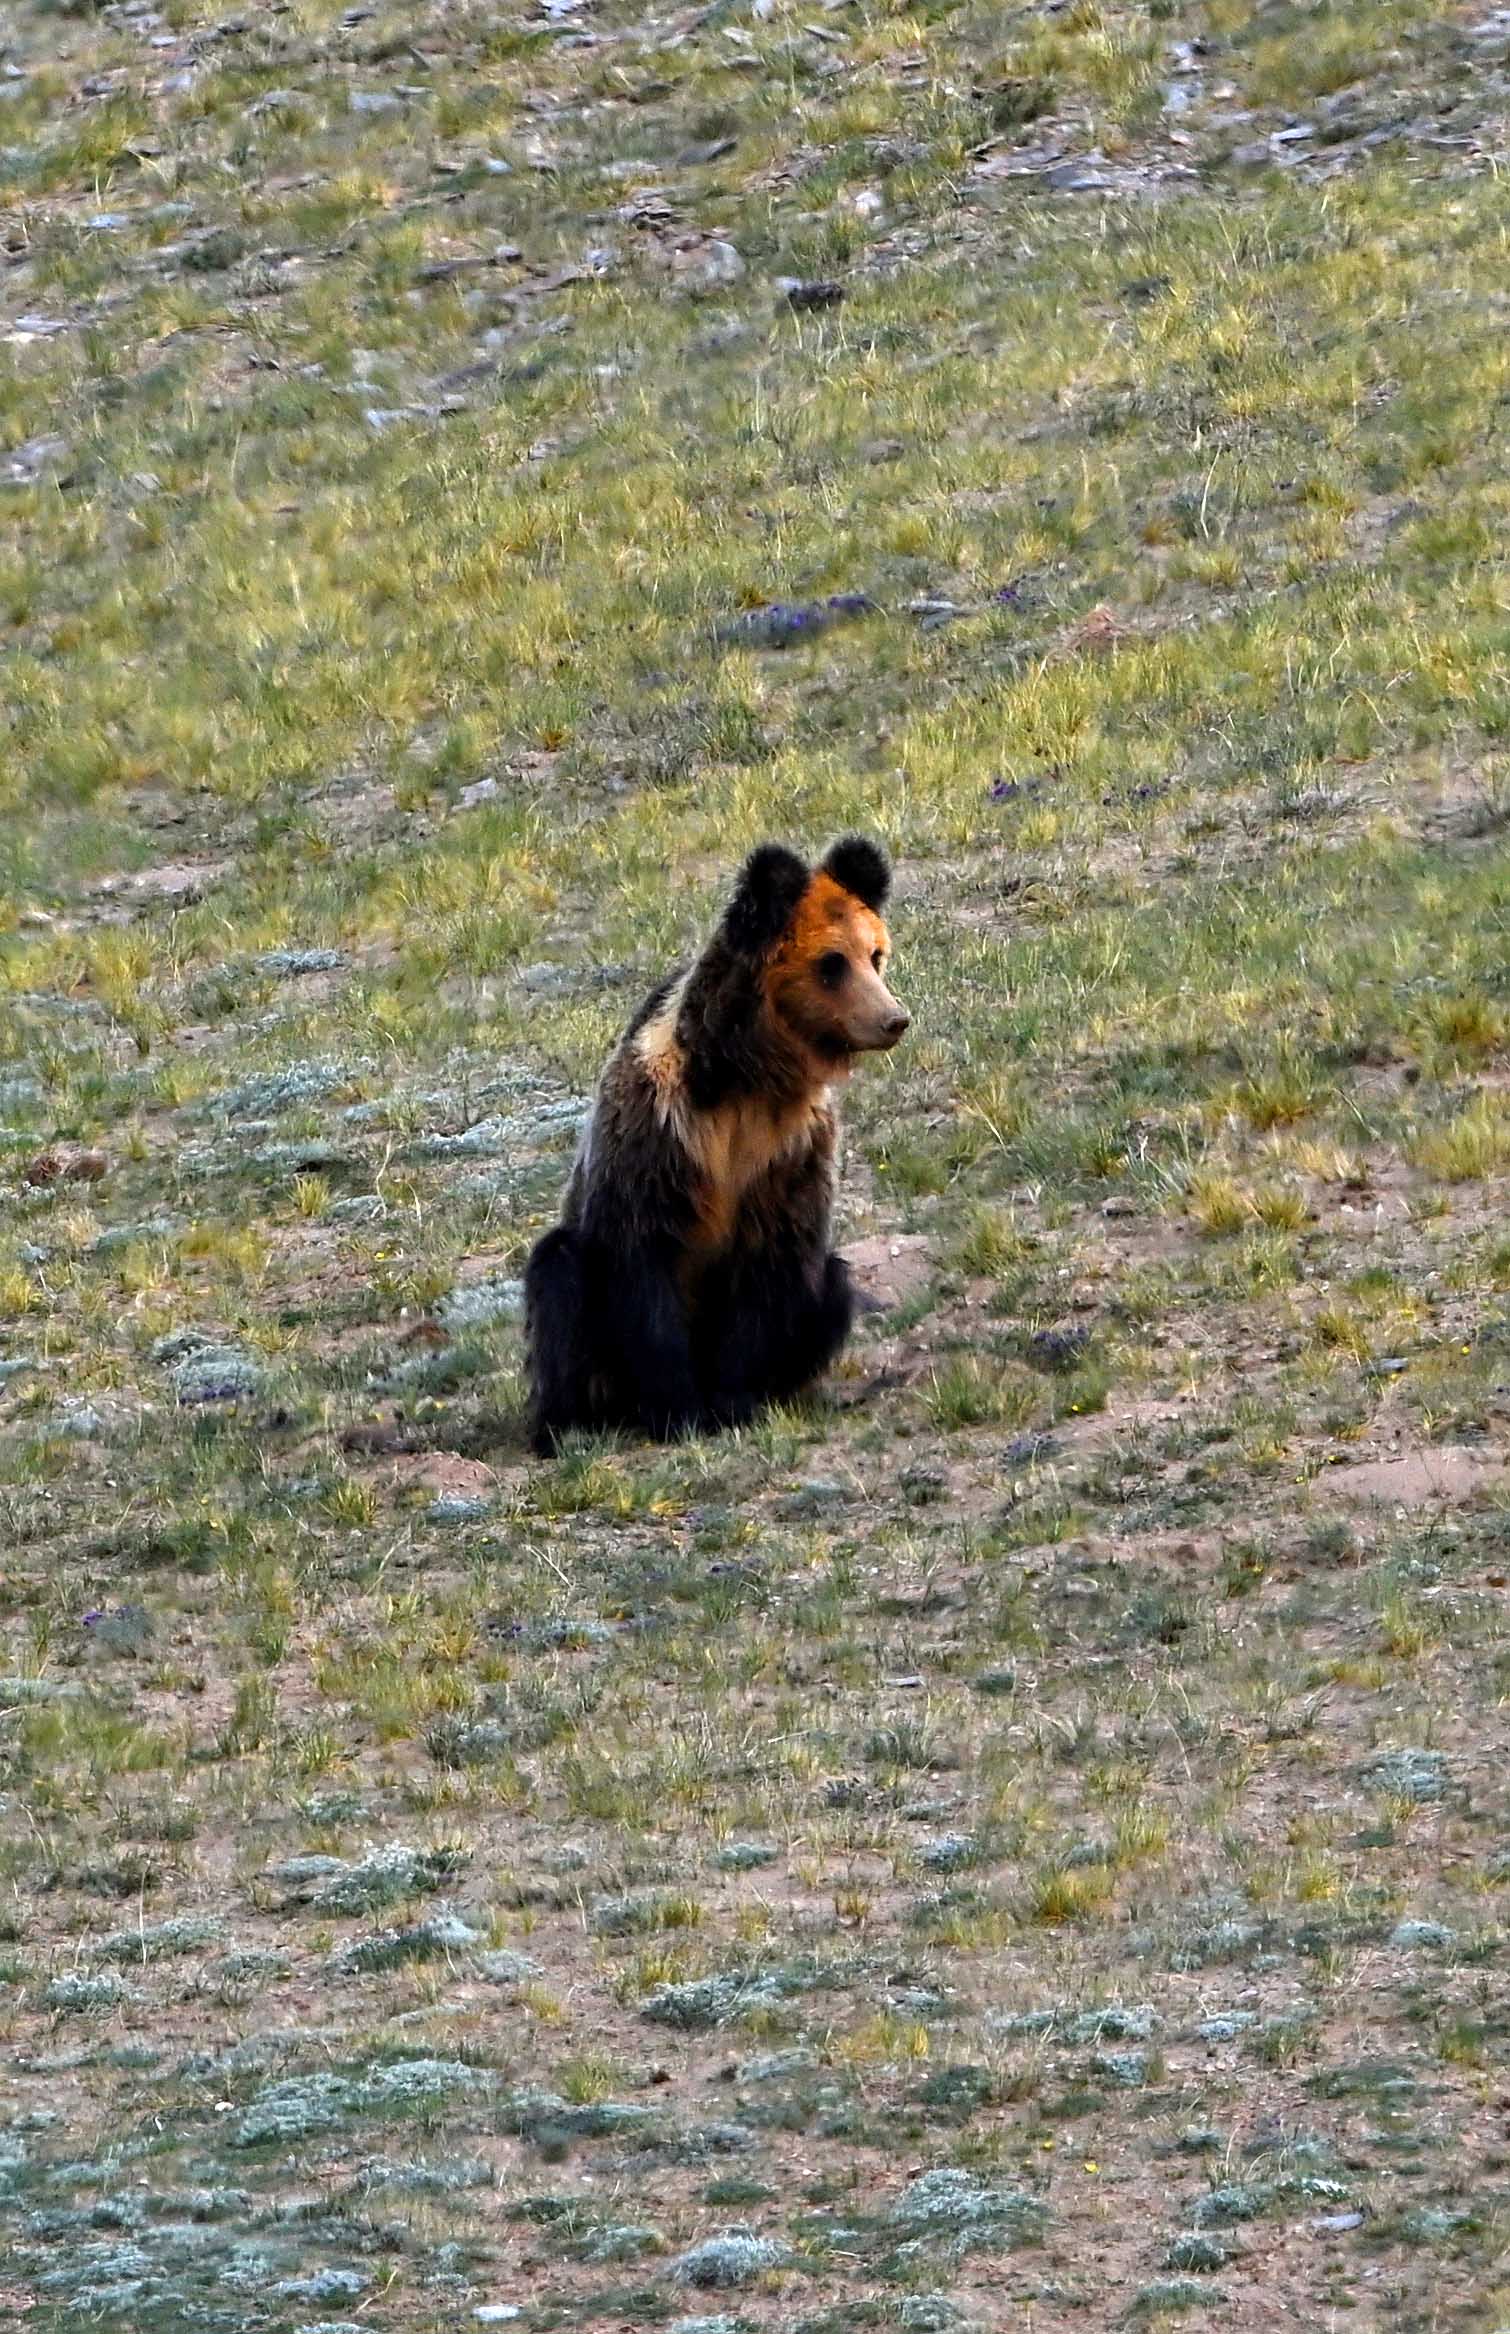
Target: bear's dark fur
(690,1279)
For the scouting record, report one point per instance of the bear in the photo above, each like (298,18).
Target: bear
(690,1280)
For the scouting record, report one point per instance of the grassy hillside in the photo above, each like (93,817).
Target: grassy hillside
(1025,1840)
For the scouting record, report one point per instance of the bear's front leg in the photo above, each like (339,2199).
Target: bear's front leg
(647,1333)
(779,1323)
(782,1305)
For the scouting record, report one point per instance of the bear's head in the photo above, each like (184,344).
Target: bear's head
(821,947)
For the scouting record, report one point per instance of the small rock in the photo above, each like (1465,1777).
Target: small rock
(363,1207)
(217,1373)
(326,2285)
(806,298)
(455,1508)
(1079,176)
(24,465)
(705,264)
(894,1271)
(374,101)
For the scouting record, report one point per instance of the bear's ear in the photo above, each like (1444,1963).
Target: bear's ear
(771,882)
(861,867)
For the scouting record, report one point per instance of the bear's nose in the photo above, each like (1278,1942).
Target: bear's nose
(899,1022)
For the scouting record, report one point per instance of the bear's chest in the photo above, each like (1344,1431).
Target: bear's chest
(734,1148)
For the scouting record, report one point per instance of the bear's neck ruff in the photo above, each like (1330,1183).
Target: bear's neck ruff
(732,1142)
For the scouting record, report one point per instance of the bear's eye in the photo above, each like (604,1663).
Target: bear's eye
(832,969)
(878,958)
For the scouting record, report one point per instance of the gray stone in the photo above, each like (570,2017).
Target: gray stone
(217,1373)
(363,1207)
(26,464)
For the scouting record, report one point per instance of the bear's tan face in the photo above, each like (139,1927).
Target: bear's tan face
(825,981)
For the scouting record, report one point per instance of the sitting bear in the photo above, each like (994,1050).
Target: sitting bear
(690,1279)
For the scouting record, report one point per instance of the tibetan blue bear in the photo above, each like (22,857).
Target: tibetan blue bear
(690,1279)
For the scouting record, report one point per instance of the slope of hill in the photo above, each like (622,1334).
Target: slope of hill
(1021,1841)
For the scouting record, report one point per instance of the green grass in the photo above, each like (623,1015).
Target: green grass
(1039,1764)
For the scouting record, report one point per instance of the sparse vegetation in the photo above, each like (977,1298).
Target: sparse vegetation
(1020,1835)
